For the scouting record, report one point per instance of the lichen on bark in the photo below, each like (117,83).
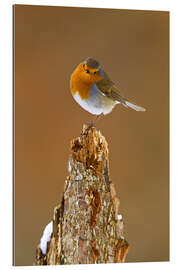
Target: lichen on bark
(86,224)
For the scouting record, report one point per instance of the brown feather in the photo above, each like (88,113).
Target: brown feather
(109,89)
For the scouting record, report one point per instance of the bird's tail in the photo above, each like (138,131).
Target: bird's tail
(133,106)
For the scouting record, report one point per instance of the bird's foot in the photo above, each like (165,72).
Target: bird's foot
(91,124)
(85,133)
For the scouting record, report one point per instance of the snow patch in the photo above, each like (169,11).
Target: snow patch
(46,237)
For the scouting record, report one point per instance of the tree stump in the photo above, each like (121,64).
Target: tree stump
(87,227)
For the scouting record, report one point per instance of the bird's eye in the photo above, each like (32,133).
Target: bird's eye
(95,72)
(87,71)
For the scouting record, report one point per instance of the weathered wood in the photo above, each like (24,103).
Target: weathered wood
(87,225)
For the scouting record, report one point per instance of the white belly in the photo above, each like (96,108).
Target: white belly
(97,103)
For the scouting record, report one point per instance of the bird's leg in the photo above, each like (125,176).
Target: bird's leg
(97,118)
(92,123)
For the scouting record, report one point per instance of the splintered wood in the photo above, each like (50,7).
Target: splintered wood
(87,225)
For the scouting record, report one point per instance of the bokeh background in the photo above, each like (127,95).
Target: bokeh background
(133,48)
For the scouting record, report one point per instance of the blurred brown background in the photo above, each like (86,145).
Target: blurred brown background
(133,48)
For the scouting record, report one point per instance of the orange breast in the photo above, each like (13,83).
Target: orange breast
(77,84)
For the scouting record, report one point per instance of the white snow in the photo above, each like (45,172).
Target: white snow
(46,237)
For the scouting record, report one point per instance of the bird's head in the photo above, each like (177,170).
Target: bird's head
(90,71)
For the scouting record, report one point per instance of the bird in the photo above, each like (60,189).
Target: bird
(95,92)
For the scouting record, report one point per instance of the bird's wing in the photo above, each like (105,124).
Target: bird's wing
(108,88)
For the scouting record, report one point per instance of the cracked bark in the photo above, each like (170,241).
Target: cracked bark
(86,227)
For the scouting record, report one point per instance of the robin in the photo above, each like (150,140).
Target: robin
(94,91)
